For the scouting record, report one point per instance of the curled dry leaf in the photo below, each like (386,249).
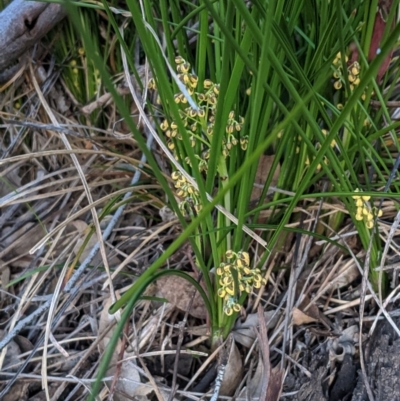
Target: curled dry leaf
(245,332)
(344,345)
(179,293)
(167,214)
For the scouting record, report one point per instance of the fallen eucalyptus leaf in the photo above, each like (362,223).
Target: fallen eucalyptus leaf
(179,292)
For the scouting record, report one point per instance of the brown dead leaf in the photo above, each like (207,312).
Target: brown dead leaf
(233,371)
(179,293)
(263,169)
(308,312)
(347,274)
(254,388)
(299,317)
(275,384)
(273,377)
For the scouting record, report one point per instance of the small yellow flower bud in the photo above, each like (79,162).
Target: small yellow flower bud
(176,175)
(355,69)
(207,83)
(230,290)
(230,254)
(228,311)
(151,84)
(369,224)
(245,257)
(179,60)
(337,85)
(227,268)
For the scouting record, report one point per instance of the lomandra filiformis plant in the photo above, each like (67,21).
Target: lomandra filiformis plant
(234,278)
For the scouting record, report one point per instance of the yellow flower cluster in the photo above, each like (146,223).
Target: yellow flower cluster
(353,74)
(246,279)
(185,190)
(199,123)
(364,210)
